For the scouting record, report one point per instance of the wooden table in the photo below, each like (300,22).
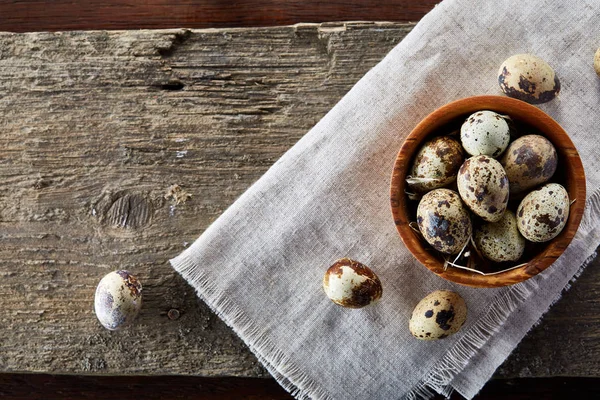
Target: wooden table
(117,149)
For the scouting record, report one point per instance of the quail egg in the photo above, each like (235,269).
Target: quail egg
(485,132)
(529,161)
(528,78)
(500,241)
(436,164)
(444,221)
(543,213)
(483,186)
(351,284)
(118,299)
(439,315)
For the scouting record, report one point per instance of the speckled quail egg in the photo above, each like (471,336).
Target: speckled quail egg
(528,78)
(597,61)
(444,221)
(435,164)
(529,161)
(439,315)
(118,299)
(543,213)
(483,186)
(351,284)
(485,132)
(500,241)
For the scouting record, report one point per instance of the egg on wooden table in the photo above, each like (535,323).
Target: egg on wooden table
(444,221)
(351,284)
(529,78)
(529,161)
(436,164)
(543,213)
(440,314)
(500,241)
(485,132)
(483,186)
(118,299)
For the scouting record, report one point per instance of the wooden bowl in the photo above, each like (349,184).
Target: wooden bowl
(446,120)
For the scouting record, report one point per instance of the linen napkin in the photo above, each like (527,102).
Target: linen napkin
(261,264)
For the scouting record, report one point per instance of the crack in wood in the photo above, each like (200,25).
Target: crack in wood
(178,39)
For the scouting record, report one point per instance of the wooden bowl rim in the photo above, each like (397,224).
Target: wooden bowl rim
(517,110)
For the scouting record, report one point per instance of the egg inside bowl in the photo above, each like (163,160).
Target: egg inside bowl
(446,121)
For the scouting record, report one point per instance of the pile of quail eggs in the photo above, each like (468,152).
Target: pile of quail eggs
(488,169)
(464,180)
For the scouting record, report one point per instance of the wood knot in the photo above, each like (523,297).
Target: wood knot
(173,314)
(129,211)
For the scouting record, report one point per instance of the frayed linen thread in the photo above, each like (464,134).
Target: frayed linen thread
(279,365)
(438,381)
(442,373)
(458,356)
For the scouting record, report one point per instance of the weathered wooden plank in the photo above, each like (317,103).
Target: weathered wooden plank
(96,128)
(117,149)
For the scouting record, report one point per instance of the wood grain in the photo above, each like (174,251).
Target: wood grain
(62,15)
(96,131)
(448,118)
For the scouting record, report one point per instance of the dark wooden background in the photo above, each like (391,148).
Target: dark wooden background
(59,387)
(48,15)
